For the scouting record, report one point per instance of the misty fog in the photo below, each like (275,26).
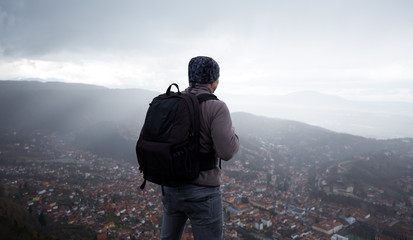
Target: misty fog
(380,120)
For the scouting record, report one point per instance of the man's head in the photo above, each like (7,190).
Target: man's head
(203,70)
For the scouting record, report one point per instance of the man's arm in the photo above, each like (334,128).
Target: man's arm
(226,142)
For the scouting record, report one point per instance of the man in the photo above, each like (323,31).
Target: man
(201,200)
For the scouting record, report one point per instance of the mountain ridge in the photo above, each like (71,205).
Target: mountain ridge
(381,120)
(92,114)
(370,120)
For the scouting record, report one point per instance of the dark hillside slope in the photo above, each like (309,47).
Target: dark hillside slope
(305,142)
(17,223)
(67,107)
(105,121)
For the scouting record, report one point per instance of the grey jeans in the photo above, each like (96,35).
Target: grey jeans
(202,205)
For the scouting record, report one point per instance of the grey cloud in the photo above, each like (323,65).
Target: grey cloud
(36,28)
(41,27)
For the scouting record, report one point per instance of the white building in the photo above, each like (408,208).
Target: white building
(266,222)
(328,226)
(259,225)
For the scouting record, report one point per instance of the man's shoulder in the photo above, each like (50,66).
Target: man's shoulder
(212,103)
(216,106)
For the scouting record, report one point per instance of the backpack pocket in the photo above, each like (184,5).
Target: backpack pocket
(185,162)
(154,160)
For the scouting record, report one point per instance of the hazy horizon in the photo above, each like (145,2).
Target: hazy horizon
(381,120)
(358,50)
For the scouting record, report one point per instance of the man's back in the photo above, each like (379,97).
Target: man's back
(216,134)
(201,200)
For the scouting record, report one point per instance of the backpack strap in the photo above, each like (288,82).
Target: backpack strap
(206,96)
(207,160)
(143,184)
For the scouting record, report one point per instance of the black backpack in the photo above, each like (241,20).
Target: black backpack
(168,145)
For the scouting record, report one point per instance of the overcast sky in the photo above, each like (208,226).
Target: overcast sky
(351,48)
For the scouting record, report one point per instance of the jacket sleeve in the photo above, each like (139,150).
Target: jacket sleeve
(225,140)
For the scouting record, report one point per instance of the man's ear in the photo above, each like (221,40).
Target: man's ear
(214,85)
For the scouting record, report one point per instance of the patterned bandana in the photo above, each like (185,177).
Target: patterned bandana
(203,70)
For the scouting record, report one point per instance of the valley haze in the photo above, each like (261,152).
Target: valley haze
(381,120)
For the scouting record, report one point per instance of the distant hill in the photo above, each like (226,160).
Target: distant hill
(107,121)
(370,119)
(94,116)
(304,142)
(67,107)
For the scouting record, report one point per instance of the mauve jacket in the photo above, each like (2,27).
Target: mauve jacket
(216,134)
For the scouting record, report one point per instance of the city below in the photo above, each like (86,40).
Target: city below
(278,201)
